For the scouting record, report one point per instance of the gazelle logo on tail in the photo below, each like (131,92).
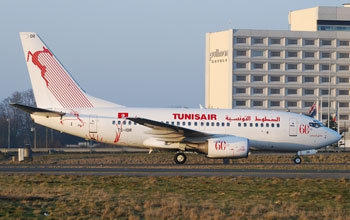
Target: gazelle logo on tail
(57,79)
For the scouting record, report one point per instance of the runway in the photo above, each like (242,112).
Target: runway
(175,171)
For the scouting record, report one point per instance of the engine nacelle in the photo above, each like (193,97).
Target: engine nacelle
(228,147)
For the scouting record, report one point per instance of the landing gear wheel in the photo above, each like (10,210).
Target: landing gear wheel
(180,158)
(297,160)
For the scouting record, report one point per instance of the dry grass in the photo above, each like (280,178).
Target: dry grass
(168,158)
(118,197)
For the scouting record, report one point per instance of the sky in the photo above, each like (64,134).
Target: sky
(135,53)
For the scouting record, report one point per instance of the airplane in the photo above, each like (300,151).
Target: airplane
(61,104)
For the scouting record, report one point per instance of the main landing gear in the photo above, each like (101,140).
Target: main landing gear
(180,158)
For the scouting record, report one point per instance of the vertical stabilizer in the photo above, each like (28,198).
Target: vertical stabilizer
(53,86)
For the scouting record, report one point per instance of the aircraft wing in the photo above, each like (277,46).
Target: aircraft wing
(172,133)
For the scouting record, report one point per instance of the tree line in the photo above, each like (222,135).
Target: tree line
(22,127)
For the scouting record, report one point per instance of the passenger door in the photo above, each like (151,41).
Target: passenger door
(293,130)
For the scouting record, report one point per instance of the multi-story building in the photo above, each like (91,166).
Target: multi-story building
(283,70)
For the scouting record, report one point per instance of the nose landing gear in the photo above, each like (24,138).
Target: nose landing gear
(297,160)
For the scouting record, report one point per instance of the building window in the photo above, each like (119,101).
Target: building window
(275,103)
(344,55)
(257,103)
(309,66)
(275,78)
(309,54)
(258,66)
(344,104)
(257,40)
(325,55)
(241,53)
(275,41)
(325,67)
(292,54)
(292,104)
(241,65)
(292,79)
(292,66)
(258,90)
(292,41)
(241,40)
(309,79)
(241,78)
(275,53)
(343,67)
(275,66)
(343,43)
(309,42)
(240,90)
(257,53)
(343,92)
(292,91)
(275,91)
(343,80)
(309,91)
(324,79)
(324,104)
(326,42)
(258,78)
(343,117)
(308,104)
(324,91)
(240,103)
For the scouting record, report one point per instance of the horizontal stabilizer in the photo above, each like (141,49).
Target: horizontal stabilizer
(38,111)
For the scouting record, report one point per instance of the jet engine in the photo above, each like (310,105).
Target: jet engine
(226,147)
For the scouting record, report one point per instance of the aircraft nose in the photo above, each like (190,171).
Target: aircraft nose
(334,136)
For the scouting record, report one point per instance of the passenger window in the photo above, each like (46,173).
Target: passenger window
(195,123)
(213,124)
(278,125)
(129,122)
(167,122)
(183,123)
(189,123)
(262,125)
(113,122)
(124,122)
(239,124)
(119,122)
(178,123)
(256,124)
(223,124)
(267,125)
(251,124)
(228,124)
(172,123)
(245,124)
(208,124)
(202,124)
(272,125)
(218,124)
(135,123)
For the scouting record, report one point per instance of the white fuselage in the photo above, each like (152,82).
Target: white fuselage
(266,130)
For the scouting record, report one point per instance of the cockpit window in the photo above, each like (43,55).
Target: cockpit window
(316,124)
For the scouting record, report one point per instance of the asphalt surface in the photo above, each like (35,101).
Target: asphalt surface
(174,170)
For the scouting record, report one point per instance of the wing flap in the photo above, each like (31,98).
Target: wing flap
(171,133)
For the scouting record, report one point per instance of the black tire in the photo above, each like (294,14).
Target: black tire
(180,158)
(297,160)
